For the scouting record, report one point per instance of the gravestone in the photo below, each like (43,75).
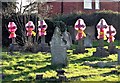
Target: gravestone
(13,46)
(67,38)
(88,41)
(118,52)
(100,50)
(80,27)
(42,26)
(58,49)
(119,57)
(73,33)
(110,33)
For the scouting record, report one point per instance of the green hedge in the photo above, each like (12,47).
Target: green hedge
(112,18)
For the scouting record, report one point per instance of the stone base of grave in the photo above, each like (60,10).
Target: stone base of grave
(80,50)
(112,49)
(39,76)
(118,52)
(101,52)
(44,47)
(13,47)
(101,64)
(32,47)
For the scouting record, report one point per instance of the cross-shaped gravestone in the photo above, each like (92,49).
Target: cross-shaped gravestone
(42,26)
(101,28)
(80,27)
(110,33)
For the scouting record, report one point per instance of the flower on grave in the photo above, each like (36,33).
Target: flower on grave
(12,28)
(42,26)
(101,28)
(80,27)
(110,33)
(30,27)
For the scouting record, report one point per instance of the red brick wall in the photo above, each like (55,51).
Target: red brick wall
(56,7)
(109,6)
(69,7)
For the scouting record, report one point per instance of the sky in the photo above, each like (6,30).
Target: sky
(24,2)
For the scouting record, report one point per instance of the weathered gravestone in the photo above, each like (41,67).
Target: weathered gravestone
(88,41)
(118,57)
(58,49)
(110,33)
(80,27)
(13,46)
(67,39)
(73,33)
(118,52)
(42,26)
(100,50)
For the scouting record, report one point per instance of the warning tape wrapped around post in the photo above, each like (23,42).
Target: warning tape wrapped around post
(42,26)
(101,28)
(80,27)
(110,33)
(12,28)
(30,27)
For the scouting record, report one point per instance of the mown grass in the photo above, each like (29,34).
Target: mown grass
(24,66)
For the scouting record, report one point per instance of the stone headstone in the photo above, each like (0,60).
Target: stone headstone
(112,48)
(73,33)
(67,39)
(58,49)
(119,57)
(88,41)
(118,52)
(101,52)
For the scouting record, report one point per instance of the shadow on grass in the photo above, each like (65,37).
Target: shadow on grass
(13,76)
(90,58)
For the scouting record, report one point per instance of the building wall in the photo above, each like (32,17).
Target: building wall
(110,6)
(69,7)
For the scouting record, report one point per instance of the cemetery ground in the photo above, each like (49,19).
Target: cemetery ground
(23,66)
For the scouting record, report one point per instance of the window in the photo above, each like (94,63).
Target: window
(87,4)
(97,4)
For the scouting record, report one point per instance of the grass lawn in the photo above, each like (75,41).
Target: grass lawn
(24,66)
